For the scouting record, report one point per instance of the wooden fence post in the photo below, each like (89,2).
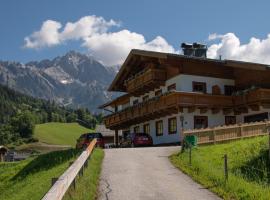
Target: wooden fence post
(268,142)
(226,167)
(190,148)
(214,135)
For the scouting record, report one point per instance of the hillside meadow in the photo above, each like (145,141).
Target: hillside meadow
(248,168)
(59,133)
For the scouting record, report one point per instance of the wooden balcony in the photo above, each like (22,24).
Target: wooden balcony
(146,81)
(165,105)
(174,102)
(252,99)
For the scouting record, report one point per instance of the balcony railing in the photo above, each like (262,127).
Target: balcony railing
(146,81)
(174,101)
(166,104)
(257,96)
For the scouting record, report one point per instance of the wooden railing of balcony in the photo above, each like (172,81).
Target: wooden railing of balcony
(174,102)
(261,96)
(146,81)
(166,104)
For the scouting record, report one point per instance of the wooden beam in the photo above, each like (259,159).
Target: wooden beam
(203,110)
(191,109)
(227,111)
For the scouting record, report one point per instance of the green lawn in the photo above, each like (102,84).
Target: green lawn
(249,168)
(59,133)
(31,179)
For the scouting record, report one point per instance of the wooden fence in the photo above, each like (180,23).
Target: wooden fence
(62,184)
(230,132)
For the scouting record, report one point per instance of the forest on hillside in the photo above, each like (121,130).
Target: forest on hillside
(19,113)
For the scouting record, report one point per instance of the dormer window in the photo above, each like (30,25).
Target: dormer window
(199,86)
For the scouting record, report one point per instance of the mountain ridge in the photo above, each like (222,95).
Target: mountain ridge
(74,79)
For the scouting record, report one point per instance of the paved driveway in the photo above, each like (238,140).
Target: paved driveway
(146,174)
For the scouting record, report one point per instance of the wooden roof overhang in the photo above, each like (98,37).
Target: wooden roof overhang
(115,102)
(175,64)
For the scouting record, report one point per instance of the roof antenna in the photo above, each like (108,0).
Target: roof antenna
(220,57)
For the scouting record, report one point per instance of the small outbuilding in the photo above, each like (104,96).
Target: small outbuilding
(108,134)
(3,151)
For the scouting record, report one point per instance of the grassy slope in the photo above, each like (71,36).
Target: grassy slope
(31,179)
(59,133)
(207,168)
(86,186)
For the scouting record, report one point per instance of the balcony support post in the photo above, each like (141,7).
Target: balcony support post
(116,142)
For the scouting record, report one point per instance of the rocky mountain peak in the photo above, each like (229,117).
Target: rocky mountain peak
(73,79)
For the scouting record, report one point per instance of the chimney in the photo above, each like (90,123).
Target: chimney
(195,49)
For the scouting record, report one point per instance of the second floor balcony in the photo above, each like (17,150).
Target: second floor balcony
(174,102)
(170,103)
(145,81)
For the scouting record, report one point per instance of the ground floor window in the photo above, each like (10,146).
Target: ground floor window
(172,125)
(136,129)
(146,128)
(200,122)
(159,128)
(256,118)
(229,120)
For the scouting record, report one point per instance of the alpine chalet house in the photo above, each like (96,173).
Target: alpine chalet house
(165,93)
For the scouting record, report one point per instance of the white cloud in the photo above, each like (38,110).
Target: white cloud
(47,36)
(111,48)
(230,47)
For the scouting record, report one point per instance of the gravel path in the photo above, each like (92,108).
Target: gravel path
(146,174)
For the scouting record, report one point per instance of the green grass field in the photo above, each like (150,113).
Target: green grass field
(59,133)
(248,163)
(31,179)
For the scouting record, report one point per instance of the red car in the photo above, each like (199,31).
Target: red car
(86,138)
(142,139)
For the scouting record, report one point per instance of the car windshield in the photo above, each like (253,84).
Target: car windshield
(94,135)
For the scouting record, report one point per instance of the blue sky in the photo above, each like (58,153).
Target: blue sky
(174,21)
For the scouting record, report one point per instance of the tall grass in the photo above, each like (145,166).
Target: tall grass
(31,179)
(248,168)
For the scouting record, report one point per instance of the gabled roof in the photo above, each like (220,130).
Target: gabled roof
(136,56)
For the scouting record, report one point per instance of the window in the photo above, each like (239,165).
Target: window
(230,120)
(256,117)
(171,87)
(172,125)
(200,122)
(135,102)
(199,86)
(158,93)
(136,129)
(159,128)
(229,89)
(146,128)
(145,98)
